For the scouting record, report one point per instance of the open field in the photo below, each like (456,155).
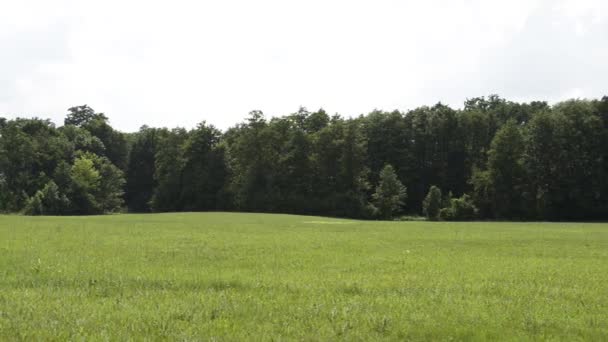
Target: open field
(224,276)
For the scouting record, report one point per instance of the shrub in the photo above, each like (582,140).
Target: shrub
(460,209)
(432,203)
(48,201)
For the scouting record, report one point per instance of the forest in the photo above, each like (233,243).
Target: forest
(493,159)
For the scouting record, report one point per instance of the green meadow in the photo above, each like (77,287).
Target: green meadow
(234,277)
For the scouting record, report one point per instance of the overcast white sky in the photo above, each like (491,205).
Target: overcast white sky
(176,63)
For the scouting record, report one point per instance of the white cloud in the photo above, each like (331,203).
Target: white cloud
(181,62)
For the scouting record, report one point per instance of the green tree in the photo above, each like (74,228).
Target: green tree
(579,177)
(169,163)
(110,193)
(432,203)
(114,142)
(204,171)
(82,140)
(437,152)
(543,145)
(251,164)
(30,149)
(388,142)
(506,172)
(483,192)
(82,115)
(48,201)
(84,174)
(353,172)
(85,181)
(316,121)
(95,185)
(390,193)
(296,166)
(140,172)
(517,160)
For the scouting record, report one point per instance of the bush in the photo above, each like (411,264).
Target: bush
(432,204)
(460,209)
(48,201)
(33,206)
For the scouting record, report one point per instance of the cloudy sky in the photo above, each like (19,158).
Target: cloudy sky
(176,63)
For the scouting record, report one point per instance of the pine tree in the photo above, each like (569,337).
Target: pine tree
(390,193)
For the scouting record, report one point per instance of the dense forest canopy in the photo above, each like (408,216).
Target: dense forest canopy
(492,159)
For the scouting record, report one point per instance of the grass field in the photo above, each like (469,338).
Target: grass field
(224,276)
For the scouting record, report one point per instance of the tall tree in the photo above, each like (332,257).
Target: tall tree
(517,160)
(542,162)
(114,142)
(506,172)
(169,163)
(141,169)
(580,171)
(204,170)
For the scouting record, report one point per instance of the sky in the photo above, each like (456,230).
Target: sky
(177,63)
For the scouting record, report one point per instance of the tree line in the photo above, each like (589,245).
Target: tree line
(492,159)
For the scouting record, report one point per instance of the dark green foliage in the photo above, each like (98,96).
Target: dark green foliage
(432,203)
(483,192)
(48,201)
(45,170)
(298,167)
(187,170)
(516,160)
(110,192)
(169,162)
(205,168)
(316,121)
(460,209)
(352,174)
(542,164)
(506,171)
(114,142)
(83,115)
(252,156)
(388,142)
(5,195)
(140,172)
(30,149)
(82,140)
